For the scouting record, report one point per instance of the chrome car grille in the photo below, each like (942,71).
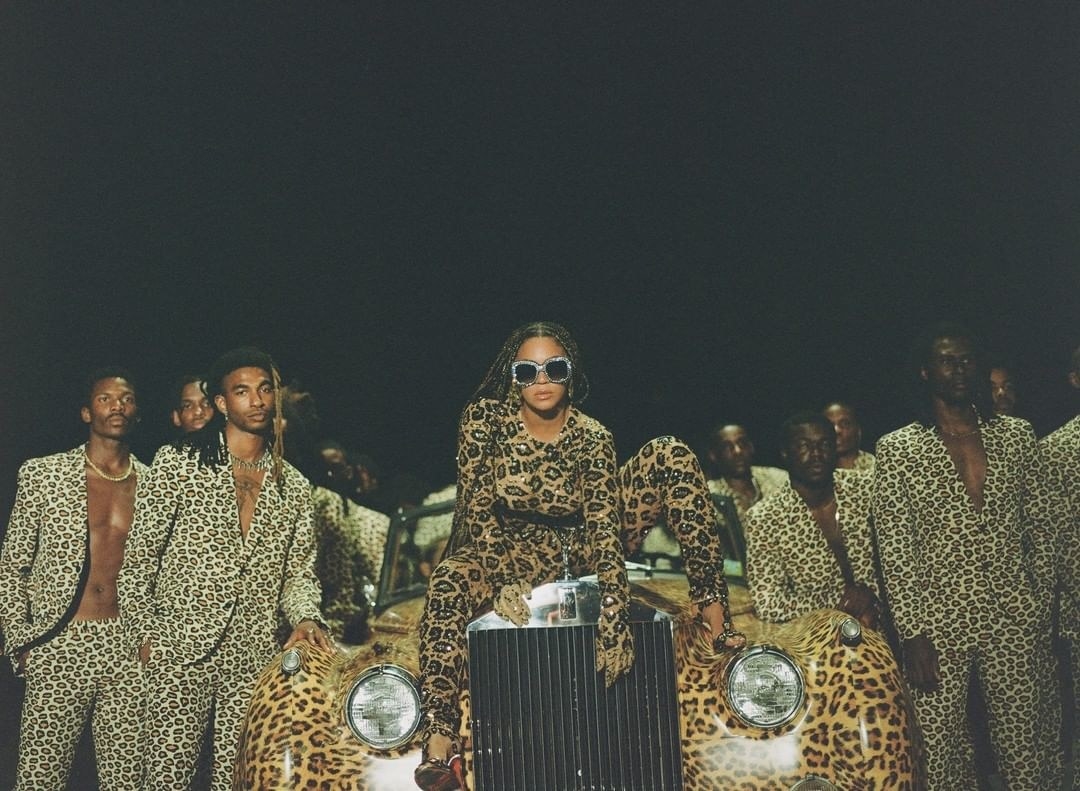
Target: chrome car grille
(543,718)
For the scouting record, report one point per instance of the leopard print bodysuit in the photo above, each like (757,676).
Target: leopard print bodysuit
(504,475)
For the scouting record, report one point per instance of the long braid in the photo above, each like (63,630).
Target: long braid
(277,450)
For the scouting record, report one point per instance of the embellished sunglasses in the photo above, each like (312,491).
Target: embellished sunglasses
(525,372)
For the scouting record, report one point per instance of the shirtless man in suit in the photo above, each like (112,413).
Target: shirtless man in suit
(58,597)
(967,533)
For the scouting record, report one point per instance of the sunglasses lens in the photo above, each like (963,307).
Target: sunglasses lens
(525,373)
(558,371)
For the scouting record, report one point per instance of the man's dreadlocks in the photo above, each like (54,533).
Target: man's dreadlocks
(208,443)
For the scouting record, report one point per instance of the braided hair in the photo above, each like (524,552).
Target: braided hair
(206,443)
(497,381)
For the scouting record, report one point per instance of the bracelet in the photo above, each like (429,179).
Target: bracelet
(711,598)
(719,642)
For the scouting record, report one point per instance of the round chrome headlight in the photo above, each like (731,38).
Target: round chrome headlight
(383,707)
(814,784)
(765,687)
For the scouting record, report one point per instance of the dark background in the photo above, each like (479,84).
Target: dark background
(739,211)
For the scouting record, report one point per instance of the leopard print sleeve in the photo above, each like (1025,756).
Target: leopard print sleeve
(154,512)
(901,562)
(854,493)
(600,496)
(477,438)
(301,594)
(1061,456)
(768,551)
(1043,513)
(16,560)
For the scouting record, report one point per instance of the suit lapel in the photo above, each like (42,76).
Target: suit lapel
(75,481)
(996,464)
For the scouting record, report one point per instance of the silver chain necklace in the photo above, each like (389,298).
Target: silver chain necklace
(261,464)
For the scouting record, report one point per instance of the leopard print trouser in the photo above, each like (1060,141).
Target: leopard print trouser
(82,672)
(1019,683)
(664,479)
(179,701)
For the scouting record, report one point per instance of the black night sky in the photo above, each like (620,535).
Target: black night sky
(739,209)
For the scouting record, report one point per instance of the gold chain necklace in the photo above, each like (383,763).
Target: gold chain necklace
(961,435)
(105,475)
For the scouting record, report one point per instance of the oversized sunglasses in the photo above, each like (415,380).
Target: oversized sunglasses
(525,372)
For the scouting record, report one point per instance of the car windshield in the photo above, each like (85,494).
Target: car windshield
(414,545)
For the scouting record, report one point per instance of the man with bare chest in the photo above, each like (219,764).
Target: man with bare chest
(967,536)
(222,541)
(808,546)
(58,597)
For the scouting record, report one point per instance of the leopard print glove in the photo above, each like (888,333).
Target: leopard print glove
(614,643)
(510,603)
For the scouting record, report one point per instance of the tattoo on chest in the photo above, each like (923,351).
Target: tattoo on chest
(247,491)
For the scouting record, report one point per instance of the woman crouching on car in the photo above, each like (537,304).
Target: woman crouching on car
(539,489)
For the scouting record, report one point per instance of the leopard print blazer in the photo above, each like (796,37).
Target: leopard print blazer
(351,541)
(46,546)
(950,571)
(790,568)
(767,480)
(188,574)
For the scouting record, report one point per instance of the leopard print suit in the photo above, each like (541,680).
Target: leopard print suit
(790,569)
(1061,450)
(502,469)
(979,585)
(75,669)
(766,480)
(207,600)
(350,540)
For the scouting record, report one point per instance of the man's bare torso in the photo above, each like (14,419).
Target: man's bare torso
(110,506)
(248,486)
(969,458)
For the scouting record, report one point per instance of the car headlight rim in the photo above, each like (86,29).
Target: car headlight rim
(814,783)
(765,687)
(382,708)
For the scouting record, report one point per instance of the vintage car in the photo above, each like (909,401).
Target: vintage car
(818,703)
